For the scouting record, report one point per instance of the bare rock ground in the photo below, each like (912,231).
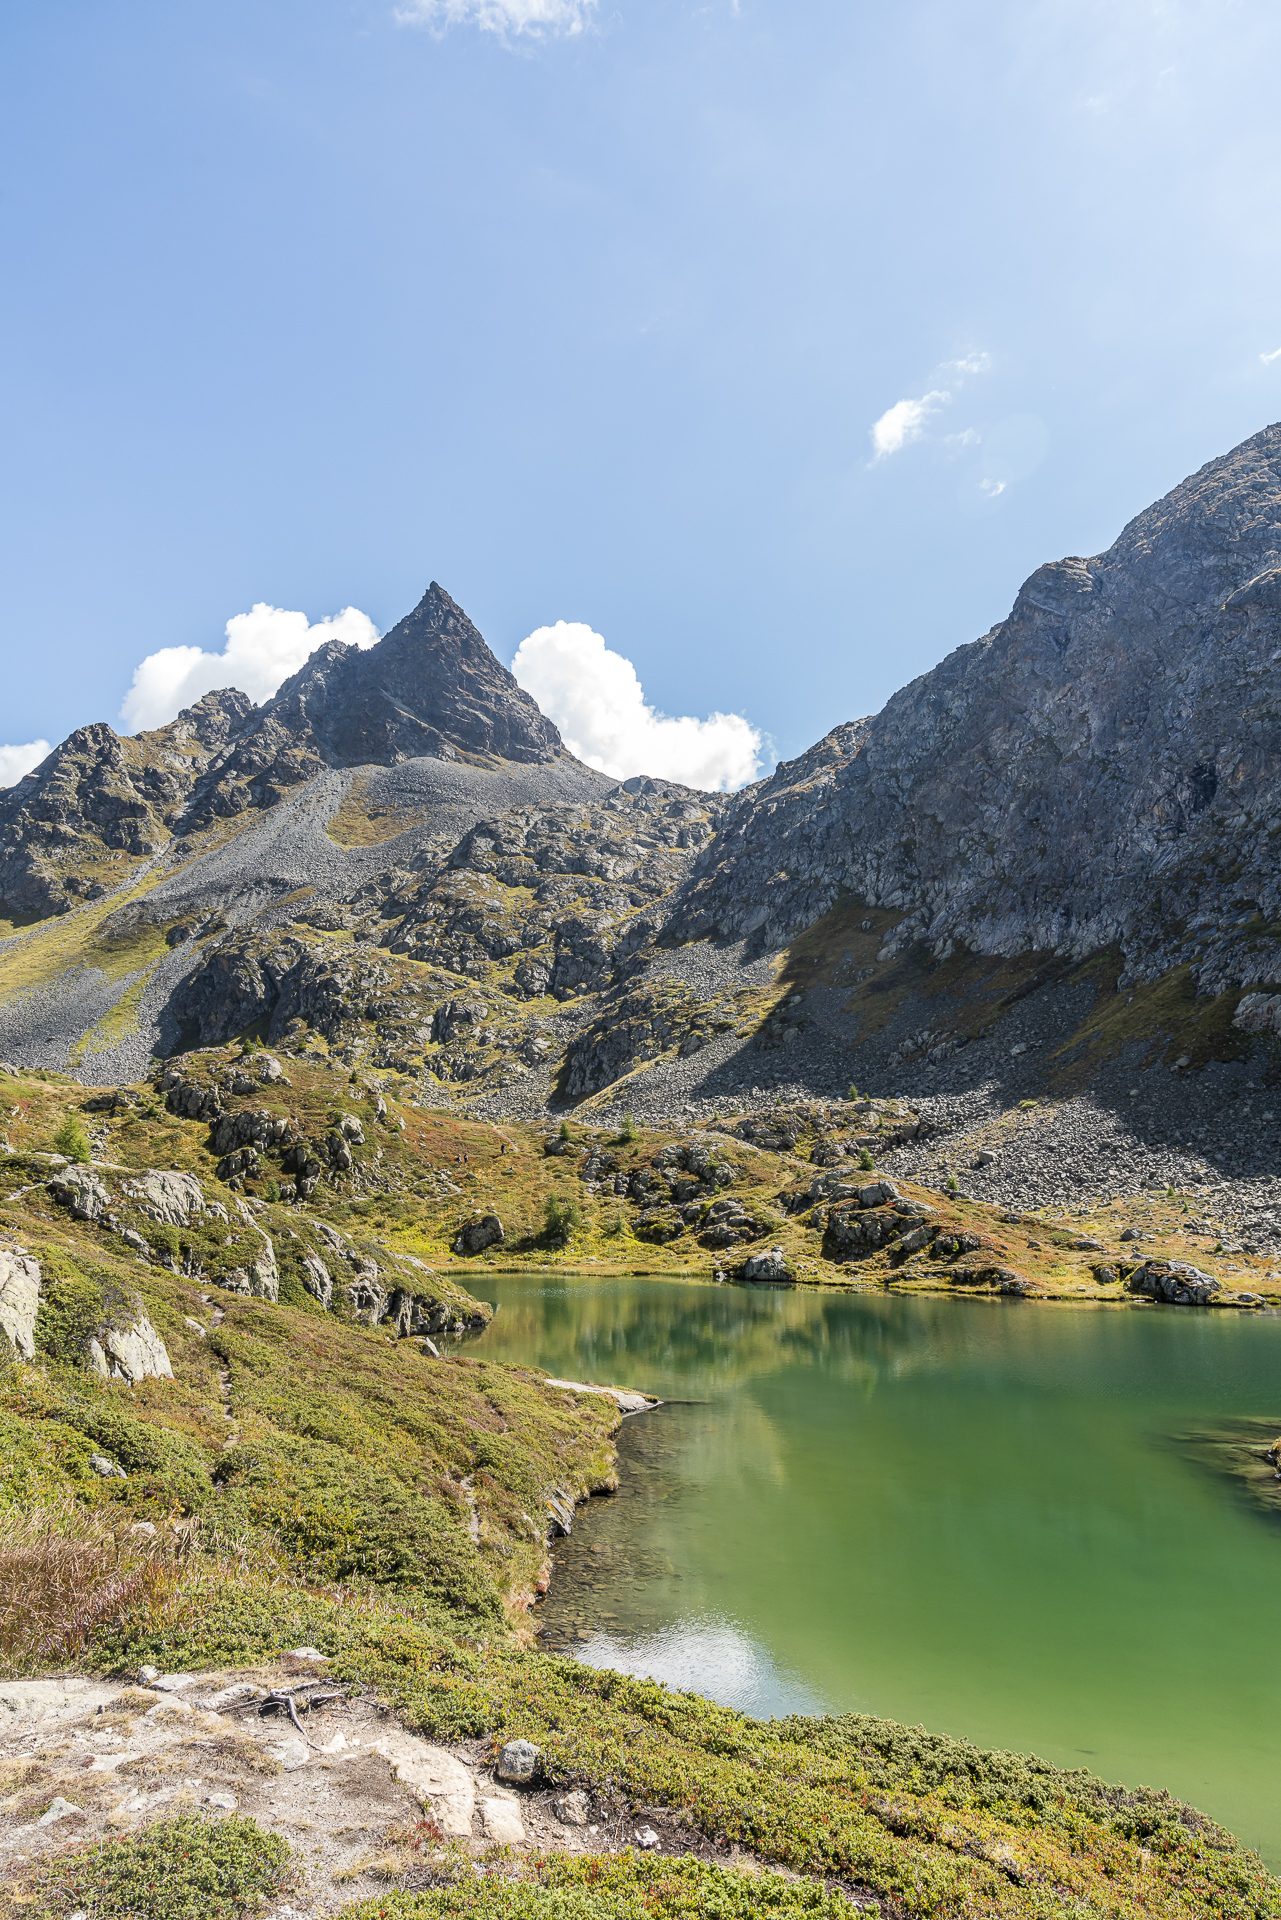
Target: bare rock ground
(364,1803)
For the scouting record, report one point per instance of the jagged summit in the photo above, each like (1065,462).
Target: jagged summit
(431,687)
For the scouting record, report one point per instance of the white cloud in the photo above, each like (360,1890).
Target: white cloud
(1268,358)
(263,648)
(907,420)
(904,422)
(539,19)
(15,761)
(596,700)
(991,488)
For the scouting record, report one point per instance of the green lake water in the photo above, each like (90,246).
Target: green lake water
(978,1516)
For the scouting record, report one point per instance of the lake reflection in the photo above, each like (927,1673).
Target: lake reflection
(965,1514)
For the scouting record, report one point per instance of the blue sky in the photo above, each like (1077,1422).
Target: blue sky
(308,304)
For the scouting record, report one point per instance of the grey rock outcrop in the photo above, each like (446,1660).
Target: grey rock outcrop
(171,1199)
(1103,766)
(131,1352)
(82,1191)
(19,1300)
(1175,1281)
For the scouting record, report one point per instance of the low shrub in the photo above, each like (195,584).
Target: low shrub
(613,1887)
(186,1869)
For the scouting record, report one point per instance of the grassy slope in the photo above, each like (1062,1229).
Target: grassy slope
(331,1474)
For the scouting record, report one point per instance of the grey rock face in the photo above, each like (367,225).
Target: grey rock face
(19,1300)
(97,792)
(1103,766)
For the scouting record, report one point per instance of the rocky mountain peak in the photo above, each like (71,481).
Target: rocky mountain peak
(1102,768)
(430,688)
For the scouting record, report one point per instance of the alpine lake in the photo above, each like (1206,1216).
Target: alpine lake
(1037,1526)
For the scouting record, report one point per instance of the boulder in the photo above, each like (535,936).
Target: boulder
(351,1129)
(173,1199)
(573,1809)
(768,1266)
(1258,1013)
(475,1235)
(131,1353)
(82,1191)
(1176,1282)
(19,1300)
(518,1760)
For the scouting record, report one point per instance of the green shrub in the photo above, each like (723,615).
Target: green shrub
(853,1092)
(68,1318)
(564,1133)
(627,1132)
(560,1219)
(271,1191)
(865,1161)
(72,1140)
(186,1869)
(613,1887)
(951,1184)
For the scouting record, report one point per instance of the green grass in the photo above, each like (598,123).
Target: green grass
(185,1869)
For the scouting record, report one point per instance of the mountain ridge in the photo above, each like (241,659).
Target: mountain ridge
(1045,864)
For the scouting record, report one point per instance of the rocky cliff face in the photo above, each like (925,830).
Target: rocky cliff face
(1103,767)
(81,823)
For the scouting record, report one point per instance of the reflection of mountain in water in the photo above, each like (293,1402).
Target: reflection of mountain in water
(679,1339)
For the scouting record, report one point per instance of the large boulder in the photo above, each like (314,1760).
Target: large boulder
(1175,1281)
(82,1191)
(475,1235)
(769,1266)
